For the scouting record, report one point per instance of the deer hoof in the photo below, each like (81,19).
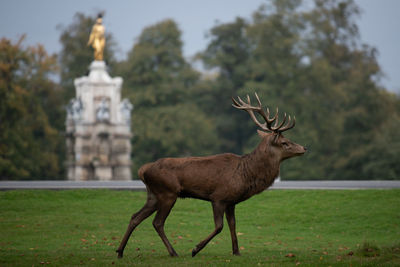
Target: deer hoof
(194,252)
(173,253)
(120,254)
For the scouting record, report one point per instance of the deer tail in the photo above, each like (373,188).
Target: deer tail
(143,169)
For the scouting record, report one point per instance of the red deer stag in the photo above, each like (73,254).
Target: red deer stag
(224,179)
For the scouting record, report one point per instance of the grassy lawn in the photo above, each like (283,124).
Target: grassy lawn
(275,228)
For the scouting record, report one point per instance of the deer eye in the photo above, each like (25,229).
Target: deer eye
(285,144)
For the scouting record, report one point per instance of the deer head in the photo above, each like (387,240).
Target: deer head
(271,130)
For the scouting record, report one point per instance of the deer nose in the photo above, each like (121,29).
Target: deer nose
(305,148)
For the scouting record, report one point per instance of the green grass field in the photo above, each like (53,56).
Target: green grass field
(275,228)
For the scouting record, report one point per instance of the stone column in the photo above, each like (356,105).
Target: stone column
(98,128)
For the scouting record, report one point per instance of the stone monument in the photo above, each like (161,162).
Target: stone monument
(98,123)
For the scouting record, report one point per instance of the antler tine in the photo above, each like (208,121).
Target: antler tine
(270,121)
(271,124)
(276,122)
(242,102)
(276,127)
(289,125)
(243,105)
(276,114)
(258,99)
(249,108)
(235,103)
(266,116)
(248,99)
(261,110)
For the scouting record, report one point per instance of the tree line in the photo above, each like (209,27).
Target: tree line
(309,62)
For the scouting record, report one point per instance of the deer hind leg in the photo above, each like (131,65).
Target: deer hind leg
(164,206)
(218,210)
(230,217)
(149,208)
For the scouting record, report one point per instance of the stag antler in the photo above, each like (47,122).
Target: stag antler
(267,126)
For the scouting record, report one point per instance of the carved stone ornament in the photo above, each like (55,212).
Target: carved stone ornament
(126,109)
(103,111)
(75,109)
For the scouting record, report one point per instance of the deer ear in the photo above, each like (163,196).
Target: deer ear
(276,137)
(262,134)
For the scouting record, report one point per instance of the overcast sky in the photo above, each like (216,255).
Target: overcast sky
(379,23)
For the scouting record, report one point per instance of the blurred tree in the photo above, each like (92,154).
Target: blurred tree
(29,144)
(310,63)
(330,81)
(345,76)
(159,82)
(381,158)
(227,53)
(277,73)
(156,72)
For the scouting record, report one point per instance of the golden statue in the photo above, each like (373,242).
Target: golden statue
(97,38)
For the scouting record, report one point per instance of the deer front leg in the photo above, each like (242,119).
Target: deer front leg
(230,217)
(137,218)
(218,210)
(165,205)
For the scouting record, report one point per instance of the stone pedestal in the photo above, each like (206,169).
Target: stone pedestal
(98,128)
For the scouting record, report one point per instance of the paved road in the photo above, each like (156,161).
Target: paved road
(138,185)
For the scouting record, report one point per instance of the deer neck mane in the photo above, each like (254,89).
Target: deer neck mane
(259,168)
